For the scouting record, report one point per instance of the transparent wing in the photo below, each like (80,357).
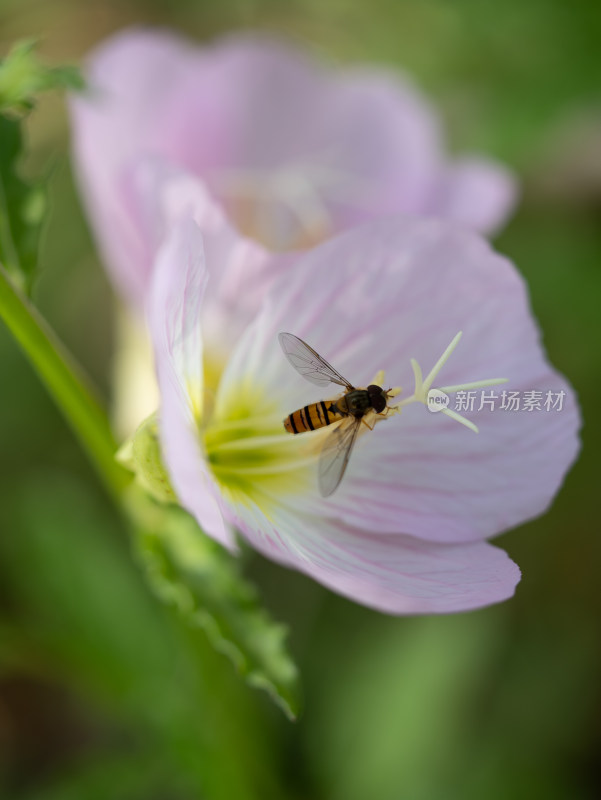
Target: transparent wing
(336,454)
(310,364)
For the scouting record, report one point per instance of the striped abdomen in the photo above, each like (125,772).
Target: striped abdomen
(313,416)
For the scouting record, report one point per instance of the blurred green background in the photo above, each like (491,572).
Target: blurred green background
(104,693)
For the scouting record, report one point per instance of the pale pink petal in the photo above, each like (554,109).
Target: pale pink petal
(175,302)
(476,192)
(364,139)
(373,299)
(395,574)
(129,78)
(384,143)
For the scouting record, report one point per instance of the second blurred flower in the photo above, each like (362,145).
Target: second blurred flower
(292,151)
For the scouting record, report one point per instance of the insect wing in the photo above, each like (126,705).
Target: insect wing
(310,364)
(336,454)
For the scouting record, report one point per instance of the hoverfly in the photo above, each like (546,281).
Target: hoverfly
(349,409)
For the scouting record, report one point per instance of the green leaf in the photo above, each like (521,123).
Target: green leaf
(22,77)
(196,575)
(23,205)
(22,209)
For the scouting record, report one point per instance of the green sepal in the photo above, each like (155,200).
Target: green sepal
(191,572)
(142,455)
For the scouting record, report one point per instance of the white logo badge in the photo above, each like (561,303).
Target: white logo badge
(437,400)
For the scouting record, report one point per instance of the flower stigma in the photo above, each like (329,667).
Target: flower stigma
(422,387)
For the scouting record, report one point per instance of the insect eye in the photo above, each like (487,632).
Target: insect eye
(377,398)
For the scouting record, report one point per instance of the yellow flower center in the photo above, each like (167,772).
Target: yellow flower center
(251,456)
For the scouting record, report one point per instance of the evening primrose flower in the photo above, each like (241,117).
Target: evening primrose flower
(405,531)
(294,152)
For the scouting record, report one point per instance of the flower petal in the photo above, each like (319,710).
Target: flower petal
(176,297)
(476,192)
(129,78)
(394,574)
(378,296)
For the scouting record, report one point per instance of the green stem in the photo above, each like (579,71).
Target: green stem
(65,383)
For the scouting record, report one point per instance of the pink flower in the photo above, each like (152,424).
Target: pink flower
(293,151)
(405,531)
